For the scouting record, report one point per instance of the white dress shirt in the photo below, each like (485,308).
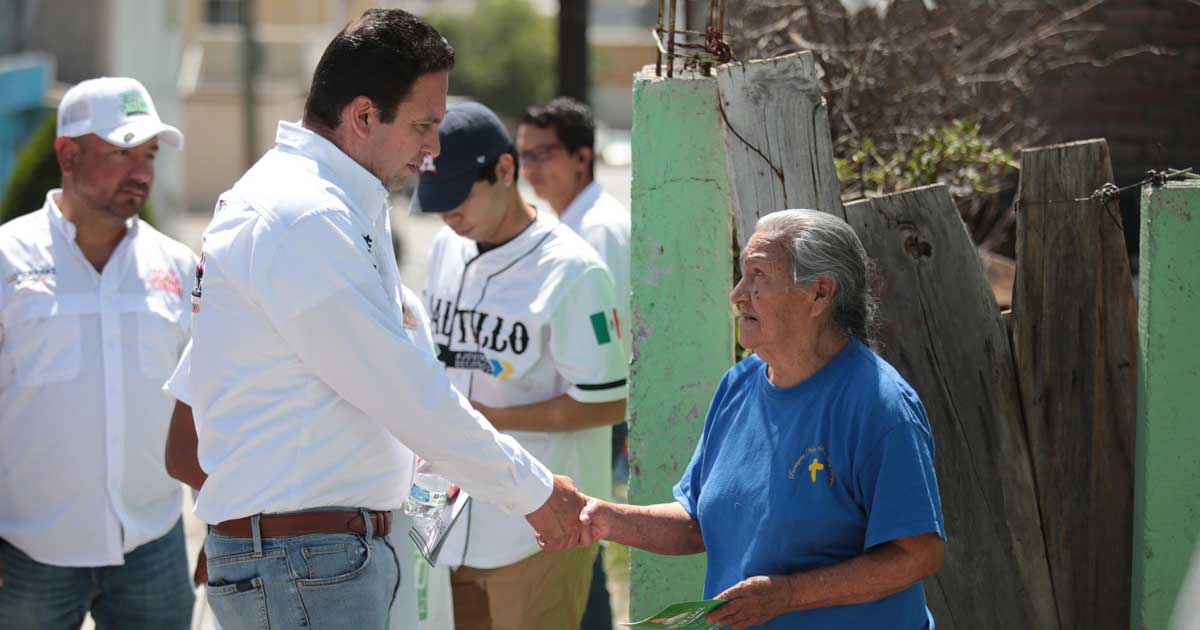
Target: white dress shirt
(523,323)
(307,388)
(82,356)
(604,223)
(434,588)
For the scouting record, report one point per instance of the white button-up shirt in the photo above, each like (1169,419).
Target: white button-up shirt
(82,356)
(308,390)
(604,223)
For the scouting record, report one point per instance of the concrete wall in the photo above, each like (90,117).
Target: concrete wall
(682,320)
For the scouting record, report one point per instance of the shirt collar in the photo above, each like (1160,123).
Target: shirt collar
(582,202)
(519,244)
(59,221)
(365,191)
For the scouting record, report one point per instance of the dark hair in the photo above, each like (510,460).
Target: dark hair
(571,121)
(380,55)
(488,171)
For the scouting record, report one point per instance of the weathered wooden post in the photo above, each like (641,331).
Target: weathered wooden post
(942,331)
(683,325)
(1075,345)
(779,152)
(1167,482)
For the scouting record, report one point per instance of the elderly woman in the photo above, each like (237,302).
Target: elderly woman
(812,488)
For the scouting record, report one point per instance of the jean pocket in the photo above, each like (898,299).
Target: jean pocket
(359,598)
(239,605)
(332,563)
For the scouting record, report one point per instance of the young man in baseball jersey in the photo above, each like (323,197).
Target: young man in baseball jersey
(525,319)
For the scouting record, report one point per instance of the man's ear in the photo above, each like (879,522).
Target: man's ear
(506,170)
(359,115)
(585,156)
(68,151)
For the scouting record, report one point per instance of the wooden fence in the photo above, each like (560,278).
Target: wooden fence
(1033,421)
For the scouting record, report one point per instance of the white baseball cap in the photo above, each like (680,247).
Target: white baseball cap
(118,109)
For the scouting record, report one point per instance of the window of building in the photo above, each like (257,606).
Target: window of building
(223,11)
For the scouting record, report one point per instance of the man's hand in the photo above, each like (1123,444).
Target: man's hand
(557,521)
(753,601)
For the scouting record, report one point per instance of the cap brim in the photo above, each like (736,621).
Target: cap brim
(140,131)
(442,193)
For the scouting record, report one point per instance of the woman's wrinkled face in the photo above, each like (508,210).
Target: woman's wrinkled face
(772,308)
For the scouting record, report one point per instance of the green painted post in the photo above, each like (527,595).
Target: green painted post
(683,329)
(1167,466)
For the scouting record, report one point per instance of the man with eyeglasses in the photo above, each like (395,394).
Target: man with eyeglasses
(556,145)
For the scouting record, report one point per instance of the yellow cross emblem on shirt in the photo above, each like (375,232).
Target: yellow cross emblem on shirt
(814,467)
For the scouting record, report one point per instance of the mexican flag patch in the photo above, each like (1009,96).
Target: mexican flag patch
(606,326)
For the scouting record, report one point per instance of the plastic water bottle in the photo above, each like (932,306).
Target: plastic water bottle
(427,497)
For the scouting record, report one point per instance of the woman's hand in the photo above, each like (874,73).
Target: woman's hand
(596,519)
(753,601)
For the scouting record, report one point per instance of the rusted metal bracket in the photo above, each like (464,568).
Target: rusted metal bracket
(698,49)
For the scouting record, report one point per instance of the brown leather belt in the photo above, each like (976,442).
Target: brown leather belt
(304,523)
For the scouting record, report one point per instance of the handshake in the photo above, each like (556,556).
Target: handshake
(567,519)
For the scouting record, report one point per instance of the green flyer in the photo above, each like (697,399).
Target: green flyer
(682,616)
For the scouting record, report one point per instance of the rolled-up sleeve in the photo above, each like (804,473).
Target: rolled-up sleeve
(326,299)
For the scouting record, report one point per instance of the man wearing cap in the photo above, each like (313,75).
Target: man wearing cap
(525,319)
(310,396)
(93,317)
(556,145)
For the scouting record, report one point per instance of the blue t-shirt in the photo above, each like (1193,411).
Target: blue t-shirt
(789,480)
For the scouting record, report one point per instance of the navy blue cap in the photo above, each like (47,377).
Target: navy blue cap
(471,136)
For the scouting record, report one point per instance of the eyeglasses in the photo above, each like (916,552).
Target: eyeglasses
(540,153)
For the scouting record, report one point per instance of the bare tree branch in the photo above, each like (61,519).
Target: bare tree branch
(890,79)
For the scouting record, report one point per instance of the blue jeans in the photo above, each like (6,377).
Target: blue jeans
(318,581)
(151,591)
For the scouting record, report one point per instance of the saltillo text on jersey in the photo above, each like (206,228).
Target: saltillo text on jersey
(490,332)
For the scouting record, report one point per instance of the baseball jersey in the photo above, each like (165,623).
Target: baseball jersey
(523,323)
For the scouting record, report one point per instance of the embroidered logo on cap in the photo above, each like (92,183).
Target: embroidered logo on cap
(427,165)
(132,103)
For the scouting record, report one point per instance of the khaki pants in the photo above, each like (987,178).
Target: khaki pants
(547,591)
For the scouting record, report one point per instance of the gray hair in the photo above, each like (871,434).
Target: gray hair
(820,244)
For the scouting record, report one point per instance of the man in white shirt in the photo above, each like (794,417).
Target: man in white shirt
(556,142)
(93,316)
(525,319)
(308,391)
